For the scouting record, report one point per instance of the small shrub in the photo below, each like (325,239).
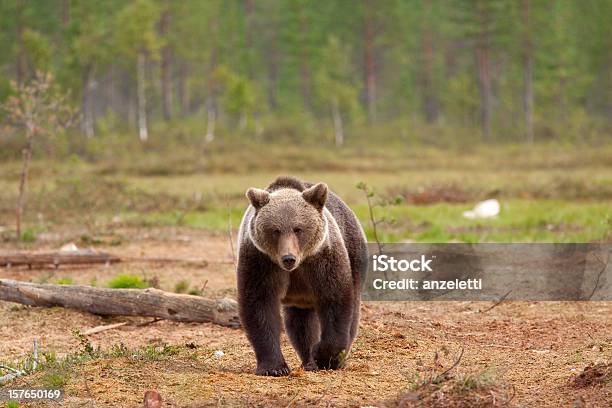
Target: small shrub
(55,379)
(50,358)
(28,236)
(127,281)
(65,281)
(157,352)
(195,292)
(119,350)
(181,286)
(86,346)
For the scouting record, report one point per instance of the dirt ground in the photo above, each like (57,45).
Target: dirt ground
(531,353)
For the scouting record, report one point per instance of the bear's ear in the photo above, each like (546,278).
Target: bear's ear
(316,195)
(258,197)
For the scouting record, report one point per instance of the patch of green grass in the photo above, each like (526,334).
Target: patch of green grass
(531,220)
(472,382)
(542,200)
(28,235)
(56,372)
(214,219)
(55,378)
(12,404)
(518,221)
(127,281)
(65,281)
(181,286)
(157,352)
(151,352)
(195,292)
(87,239)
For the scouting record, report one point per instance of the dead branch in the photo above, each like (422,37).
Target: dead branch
(601,271)
(451,368)
(80,257)
(99,329)
(499,302)
(123,302)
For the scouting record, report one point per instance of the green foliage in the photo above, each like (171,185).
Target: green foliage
(54,379)
(39,49)
(56,372)
(127,281)
(238,94)
(135,29)
(279,70)
(28,235)
(334,82)
(65,281)
(181,286)
(86,346)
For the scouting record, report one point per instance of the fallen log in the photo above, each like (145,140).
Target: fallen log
(57,258)
(123,302)
(80,257)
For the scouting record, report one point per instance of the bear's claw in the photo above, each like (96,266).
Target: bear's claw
(278,371)
(310,366)
(329,358)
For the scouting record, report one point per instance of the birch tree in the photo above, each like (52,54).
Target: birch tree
(138,39)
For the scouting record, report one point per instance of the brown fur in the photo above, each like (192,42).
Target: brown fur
(300,248)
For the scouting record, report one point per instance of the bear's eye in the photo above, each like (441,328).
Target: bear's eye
(297,230)
(276,232)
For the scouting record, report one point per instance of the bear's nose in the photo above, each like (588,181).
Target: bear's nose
(288,261)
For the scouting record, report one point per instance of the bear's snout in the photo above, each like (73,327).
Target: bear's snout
(288,255)
(288,261)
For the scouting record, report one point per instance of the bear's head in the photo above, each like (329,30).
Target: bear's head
(288,225)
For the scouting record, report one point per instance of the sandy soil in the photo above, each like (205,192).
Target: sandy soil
(535,350)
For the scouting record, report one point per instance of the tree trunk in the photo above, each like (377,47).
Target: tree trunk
(143,131)
(65,12)
(338,125)
(123,302)
(211,98)
(527,74)
(483,62)
(87,108)
(243,120)
(430,103)
(166,68)
(20,63)
(183,91)
(249,10)
(305,79)
(211,121)
(369,63)
(27,157)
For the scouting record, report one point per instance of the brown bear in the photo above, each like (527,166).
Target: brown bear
(300,248)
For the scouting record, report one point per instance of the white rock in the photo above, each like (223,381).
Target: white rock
(484,209)
(219,353)
(70,247)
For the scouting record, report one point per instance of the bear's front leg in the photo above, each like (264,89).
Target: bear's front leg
(262,323)
(302,327)
(259,307)
(335,318)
